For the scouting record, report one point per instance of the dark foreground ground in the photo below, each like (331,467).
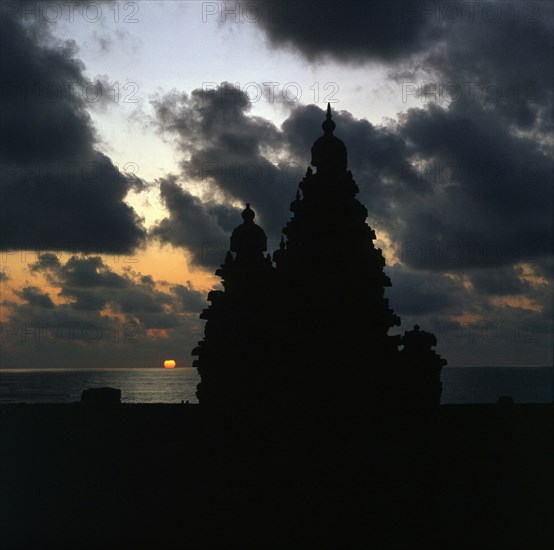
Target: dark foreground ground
(162,476)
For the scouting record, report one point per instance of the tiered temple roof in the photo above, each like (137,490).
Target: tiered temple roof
(314,328)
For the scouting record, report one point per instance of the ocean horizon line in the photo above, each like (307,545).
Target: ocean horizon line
(54,369)
(86,369)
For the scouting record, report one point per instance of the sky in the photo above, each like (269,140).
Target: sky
(133,133)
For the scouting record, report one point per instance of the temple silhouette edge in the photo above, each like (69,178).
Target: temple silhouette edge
(309,327)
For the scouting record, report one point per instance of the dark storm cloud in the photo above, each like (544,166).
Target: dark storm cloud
(421,293)
(495,54)
(488,205)
(346,30)
(190,299)
(231,151)
(502,49)
(34,297)
(501,59)
(47,262)
(501,282)
(89,283)
(30,323)
(194,225)
(89,273)
(58,192)
(91,286)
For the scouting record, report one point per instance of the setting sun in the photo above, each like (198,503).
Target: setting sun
(169,364)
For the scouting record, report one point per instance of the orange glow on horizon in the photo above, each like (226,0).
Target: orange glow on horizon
(169,364)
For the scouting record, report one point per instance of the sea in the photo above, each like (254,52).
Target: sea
(461,385)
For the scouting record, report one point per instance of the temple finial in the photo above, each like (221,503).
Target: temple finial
(328,124)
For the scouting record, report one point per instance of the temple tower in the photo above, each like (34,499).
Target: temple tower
(332,278)
(233,356)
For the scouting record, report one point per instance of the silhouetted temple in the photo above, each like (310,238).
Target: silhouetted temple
(231,358)
(313,330)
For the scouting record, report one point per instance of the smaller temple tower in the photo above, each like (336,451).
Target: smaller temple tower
(419,369)
(233,357)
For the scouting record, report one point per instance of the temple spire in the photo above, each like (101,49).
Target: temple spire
(328,151)
(328,124)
